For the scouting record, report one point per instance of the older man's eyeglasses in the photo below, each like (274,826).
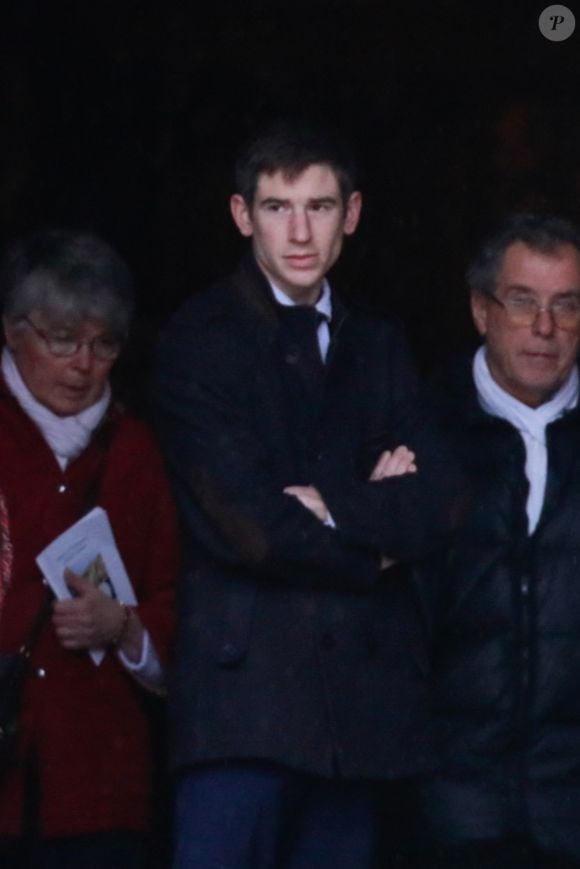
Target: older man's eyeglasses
(103,347)
(524,310)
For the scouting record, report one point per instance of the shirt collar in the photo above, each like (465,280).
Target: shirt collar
(323,305)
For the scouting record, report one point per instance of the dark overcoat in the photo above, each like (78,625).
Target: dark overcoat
(506,629)
(292,646)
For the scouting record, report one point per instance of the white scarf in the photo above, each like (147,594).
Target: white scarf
(529,421)
(67,436)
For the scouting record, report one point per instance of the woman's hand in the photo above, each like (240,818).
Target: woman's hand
(92,619)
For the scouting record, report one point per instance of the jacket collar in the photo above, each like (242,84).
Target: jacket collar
(258,299)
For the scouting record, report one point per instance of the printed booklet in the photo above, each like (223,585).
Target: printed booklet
(88,548)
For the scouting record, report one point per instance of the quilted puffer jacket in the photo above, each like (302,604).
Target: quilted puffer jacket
(505,613)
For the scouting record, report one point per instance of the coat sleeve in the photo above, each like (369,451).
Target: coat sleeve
(408,516)
(137,496)
(226,480)
(156,606)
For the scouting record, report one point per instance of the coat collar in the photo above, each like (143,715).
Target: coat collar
(456,397)
(259,302)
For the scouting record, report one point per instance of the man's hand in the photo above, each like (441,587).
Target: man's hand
(390,464)
(89,620)
(310,498)
(394,464)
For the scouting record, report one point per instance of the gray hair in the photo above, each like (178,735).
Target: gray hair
(69,277)
(542,233)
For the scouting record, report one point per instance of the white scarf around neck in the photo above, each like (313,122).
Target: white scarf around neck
(531,422)
(67,436)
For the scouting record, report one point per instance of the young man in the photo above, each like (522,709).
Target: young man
(507,616)
(299,677)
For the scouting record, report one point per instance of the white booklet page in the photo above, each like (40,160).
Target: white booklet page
(88,548)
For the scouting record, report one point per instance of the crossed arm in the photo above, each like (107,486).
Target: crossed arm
(218,432)
(393,463)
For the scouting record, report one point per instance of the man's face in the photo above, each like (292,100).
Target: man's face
(530,362)
(297,227)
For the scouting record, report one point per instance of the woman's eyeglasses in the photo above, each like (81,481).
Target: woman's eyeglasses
(102,347)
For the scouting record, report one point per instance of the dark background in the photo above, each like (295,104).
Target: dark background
(124,117)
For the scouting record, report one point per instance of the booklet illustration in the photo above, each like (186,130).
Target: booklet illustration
(88,548)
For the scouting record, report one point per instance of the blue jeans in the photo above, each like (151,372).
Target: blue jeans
(249,815)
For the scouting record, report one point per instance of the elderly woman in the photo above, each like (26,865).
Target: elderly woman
(77,792)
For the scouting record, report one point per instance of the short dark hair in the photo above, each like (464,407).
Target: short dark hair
(68,275)
(291,146)
(543,233)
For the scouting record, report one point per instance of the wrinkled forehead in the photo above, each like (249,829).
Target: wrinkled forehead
(545,271)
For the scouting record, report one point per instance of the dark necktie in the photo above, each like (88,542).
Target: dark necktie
(300,324)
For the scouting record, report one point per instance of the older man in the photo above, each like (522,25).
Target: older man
(300,672)
(506,615)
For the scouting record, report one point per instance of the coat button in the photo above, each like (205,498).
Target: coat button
(41,673)
(62,488)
